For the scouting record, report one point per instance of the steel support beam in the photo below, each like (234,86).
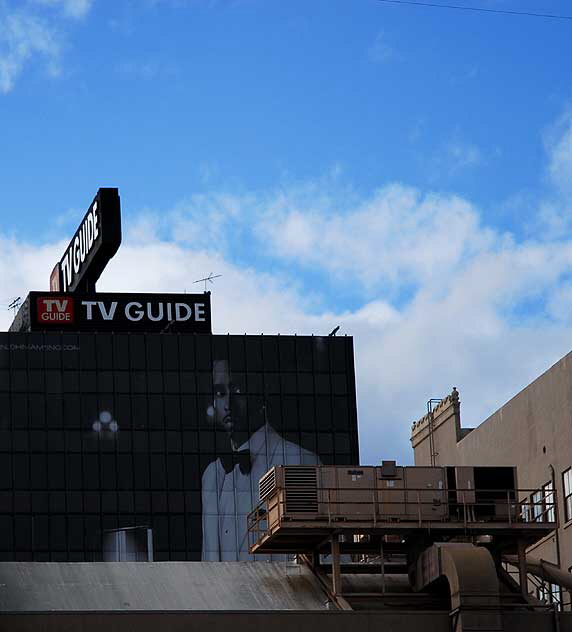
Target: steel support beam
(336,574)
(522,574)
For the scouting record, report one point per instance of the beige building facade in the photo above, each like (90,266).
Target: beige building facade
(532,431)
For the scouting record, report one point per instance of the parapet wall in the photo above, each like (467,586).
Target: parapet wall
(444,421)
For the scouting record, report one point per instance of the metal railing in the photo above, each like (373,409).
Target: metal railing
(382,507)
(551,593)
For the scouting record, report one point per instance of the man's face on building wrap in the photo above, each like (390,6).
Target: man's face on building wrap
(228,410)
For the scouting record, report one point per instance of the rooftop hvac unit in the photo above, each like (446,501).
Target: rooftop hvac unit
(267,484)
(301,486)
(387,493)
(298,483)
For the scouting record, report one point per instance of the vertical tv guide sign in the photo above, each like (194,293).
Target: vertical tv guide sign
(93,245)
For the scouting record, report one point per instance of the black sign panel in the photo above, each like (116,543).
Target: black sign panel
(59,311)
(94,243)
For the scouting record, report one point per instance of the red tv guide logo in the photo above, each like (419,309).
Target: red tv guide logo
(55,310)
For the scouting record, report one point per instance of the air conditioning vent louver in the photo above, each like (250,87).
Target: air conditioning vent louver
(267,484)
(301,484)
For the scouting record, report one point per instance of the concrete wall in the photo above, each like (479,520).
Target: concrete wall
(532,431)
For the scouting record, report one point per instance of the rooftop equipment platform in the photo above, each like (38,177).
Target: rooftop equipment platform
(429,526)
(303,506)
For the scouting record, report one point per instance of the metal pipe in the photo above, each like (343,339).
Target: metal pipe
(382,567)
(556,512)
(556,618)
(545,570)
(522,575)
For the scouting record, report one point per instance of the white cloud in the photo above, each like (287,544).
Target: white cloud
(399,236)
(453,157)
(560,303)
(22,38)
(559,144)
(555,213)
(462,155)
(381,51)
(27,36)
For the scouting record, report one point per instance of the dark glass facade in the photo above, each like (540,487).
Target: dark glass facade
(167,432)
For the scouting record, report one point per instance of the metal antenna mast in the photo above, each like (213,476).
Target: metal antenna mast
(15,304)
(208,279)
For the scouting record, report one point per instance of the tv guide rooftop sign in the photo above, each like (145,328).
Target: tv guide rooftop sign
(57,311)
(72,303)
(93,245)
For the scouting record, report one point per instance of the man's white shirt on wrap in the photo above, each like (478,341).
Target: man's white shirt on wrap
(227,498)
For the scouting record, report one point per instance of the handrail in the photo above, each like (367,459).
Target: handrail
(451,505)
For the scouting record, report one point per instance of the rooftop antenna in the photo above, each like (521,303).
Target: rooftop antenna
(208,279)
(15,304)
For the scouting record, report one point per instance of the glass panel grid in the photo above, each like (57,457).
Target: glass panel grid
(120,436)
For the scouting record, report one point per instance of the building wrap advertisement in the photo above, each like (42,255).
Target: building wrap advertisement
(150,446)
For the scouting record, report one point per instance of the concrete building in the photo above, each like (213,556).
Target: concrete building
(532,431)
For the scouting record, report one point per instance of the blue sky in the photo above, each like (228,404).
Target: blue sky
(404,171)
(166,98)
